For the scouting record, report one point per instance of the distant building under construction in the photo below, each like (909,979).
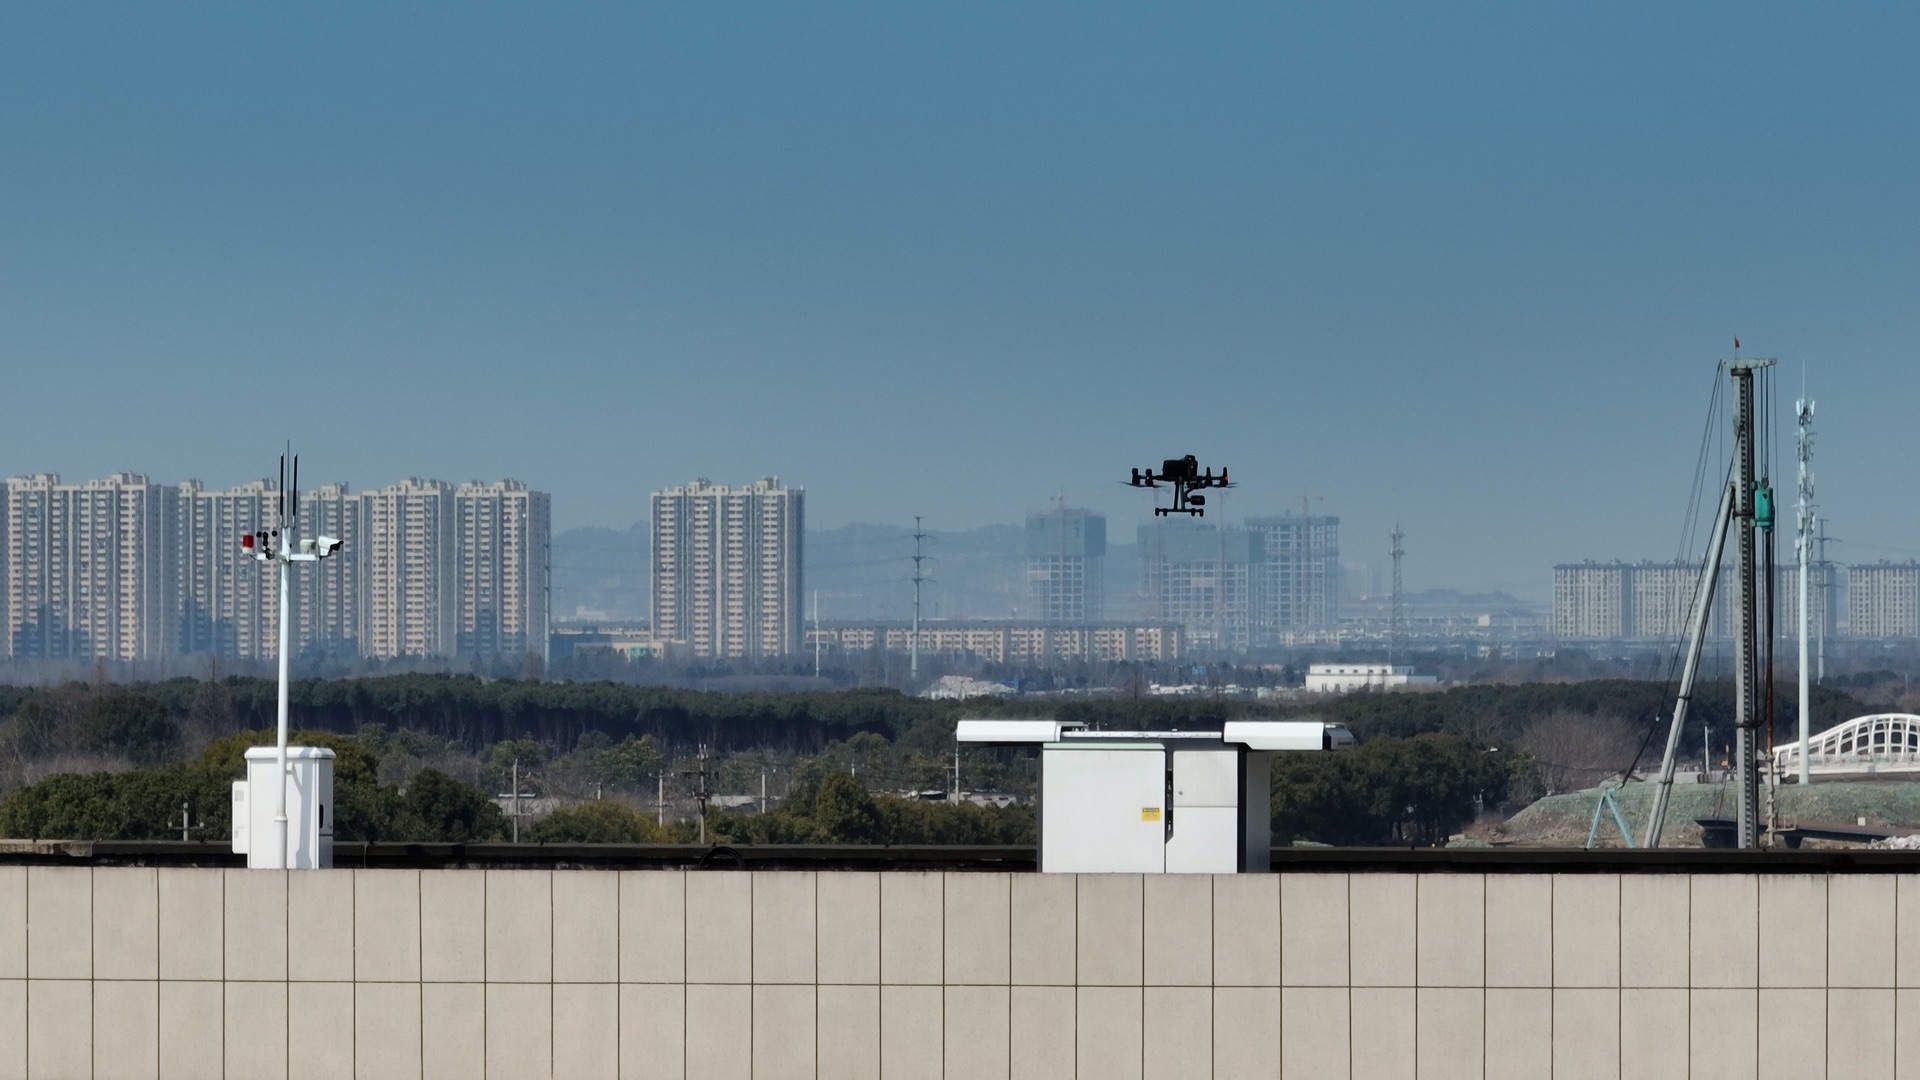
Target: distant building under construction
(1201,577)
(1297,572)
(1269,582)
(1066,566)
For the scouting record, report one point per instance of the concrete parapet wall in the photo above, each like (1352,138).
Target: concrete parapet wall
(201,973)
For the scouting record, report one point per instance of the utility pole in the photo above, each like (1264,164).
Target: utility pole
(1803,543)
(660,800)
(1393,617)
(1753,510)
(913,644)
(816,633)
(514,793)
(701,795)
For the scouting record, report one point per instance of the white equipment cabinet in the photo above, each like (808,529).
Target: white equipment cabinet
(309,808)
(1177,802)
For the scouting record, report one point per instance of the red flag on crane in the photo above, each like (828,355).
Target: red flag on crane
(1736,343)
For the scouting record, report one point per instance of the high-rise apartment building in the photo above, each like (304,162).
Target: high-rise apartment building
(726,568)
(504,535)
(1203,578)
(1297,571)
(1661,601)
(90,568)
(1592,601)
(1066,566)
(1654,601)
(407,567)
(124,569)
(327,601)
(228,601)
(1883,600)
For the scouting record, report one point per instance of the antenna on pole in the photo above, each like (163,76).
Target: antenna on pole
(913,643)
(1393,615)
(1803,549)
(279,547)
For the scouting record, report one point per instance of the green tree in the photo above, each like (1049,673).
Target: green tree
(597,822)
(45,721)
(439,808)
(844,813)
(129,723)
(143,804)
(1384,791)
(627,763)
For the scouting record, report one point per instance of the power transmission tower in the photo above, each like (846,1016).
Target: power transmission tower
(913,643)
(1393,611)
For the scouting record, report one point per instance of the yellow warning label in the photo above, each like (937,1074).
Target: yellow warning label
(1149,813)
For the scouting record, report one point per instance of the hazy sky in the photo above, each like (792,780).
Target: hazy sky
(1468,266)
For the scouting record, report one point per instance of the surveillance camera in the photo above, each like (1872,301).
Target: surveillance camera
(326,545)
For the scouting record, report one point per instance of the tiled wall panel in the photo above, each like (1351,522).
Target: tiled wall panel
(667,974)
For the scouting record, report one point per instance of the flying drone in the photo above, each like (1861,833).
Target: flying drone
(1185,476)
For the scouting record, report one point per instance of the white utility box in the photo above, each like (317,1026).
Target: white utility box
(1153,802)
(309,809)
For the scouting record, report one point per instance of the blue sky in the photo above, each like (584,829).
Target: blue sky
(1465,265)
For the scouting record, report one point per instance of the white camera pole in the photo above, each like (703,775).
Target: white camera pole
(277,546)
(285,552)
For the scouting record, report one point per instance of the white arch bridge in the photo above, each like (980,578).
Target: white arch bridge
(1880,744)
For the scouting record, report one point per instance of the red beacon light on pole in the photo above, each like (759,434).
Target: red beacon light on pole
(246,542)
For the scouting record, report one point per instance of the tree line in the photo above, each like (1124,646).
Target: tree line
(119,760)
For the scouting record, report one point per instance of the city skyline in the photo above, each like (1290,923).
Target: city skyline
(126,568)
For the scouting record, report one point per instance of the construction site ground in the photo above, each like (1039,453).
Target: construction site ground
(1563,820)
